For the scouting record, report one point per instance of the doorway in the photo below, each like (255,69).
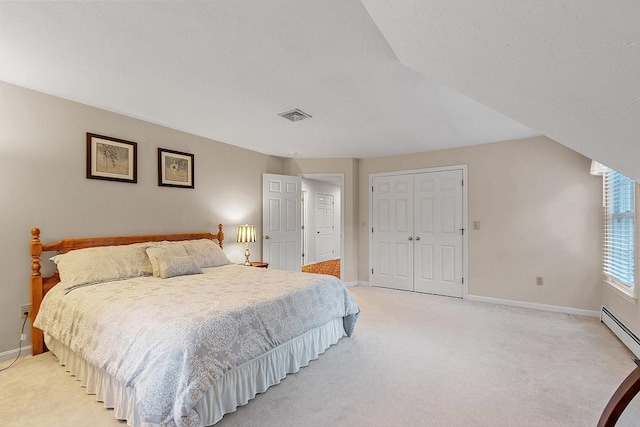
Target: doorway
(323,223)
(289,210)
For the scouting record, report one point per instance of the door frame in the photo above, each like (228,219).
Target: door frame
(343,204)
(334,239)
(465,216)
(297,216)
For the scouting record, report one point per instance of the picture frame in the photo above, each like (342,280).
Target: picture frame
(111,159)
(175,169)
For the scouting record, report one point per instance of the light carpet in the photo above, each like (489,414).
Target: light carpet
(414,360)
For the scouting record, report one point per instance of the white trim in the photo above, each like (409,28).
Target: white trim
(465,216)
(11,354)
(352,284)
(620,330)
(356,283)
(535,306)
(622,290)
(465,236)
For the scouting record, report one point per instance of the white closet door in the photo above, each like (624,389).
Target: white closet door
(438,233)
(392,237)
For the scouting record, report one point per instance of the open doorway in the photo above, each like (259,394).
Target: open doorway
(322,223)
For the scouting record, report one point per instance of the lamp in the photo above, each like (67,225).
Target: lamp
(246,234)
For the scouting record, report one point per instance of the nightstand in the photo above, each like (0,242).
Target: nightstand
(259,264)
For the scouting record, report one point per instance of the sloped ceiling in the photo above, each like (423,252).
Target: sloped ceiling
(378,77)
(225,69)
(568,69)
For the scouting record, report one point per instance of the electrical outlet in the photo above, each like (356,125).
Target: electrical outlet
(539,281)
(25,308)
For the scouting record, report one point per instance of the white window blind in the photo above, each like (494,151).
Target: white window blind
(619,216)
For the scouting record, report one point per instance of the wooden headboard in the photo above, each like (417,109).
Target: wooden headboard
(41,285)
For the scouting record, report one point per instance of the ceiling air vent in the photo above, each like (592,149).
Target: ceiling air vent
(295,115)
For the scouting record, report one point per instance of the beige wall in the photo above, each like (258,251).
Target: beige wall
(349,167)
(540,210)
(43,184)
(540,215)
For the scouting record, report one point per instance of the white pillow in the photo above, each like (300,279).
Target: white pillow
(102,264)
(164,251)
(206,252)
(171,266)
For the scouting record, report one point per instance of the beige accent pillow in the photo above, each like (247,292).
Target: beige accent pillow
(206,252)
(102,264)
(171,266)
(163,251)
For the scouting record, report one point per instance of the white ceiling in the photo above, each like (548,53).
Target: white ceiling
(569,69)
(224,69)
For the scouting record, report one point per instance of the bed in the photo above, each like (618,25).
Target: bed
(167,332)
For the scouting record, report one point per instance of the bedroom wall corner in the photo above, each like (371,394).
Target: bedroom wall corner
(43,184)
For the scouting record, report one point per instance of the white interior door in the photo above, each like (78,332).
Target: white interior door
(438,233)
(281,221)
(392,232)
(325,229)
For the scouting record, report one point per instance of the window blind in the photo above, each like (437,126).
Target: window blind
(619,216)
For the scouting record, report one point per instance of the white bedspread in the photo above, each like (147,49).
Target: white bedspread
(172,338)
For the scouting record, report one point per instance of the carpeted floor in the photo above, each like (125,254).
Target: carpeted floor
(414,360)
(331,267)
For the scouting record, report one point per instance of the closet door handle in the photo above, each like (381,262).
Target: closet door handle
(410,238)
(266,237)
(417,237)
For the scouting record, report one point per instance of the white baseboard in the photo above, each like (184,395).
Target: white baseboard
(535,306)
(11,354)
(358,283)
(624,334)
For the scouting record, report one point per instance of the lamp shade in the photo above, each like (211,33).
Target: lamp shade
(246,234)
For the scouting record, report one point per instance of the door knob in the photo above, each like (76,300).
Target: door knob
(418,238)
(410,238)
(266,237)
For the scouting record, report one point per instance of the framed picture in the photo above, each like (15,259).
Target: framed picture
(175,169)
(111,159)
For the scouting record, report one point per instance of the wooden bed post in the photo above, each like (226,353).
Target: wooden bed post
(37,337)
(220,235)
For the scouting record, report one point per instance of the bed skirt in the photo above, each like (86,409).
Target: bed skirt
(234,389)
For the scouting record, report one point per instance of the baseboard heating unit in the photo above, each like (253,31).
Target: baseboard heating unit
(621,331)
